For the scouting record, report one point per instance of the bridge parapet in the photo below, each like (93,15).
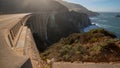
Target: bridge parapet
(13,41)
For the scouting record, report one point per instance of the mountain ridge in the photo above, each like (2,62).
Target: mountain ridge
(78,8)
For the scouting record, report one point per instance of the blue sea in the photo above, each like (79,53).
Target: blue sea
(106,20)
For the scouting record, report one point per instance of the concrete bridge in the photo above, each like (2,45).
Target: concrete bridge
(17,46)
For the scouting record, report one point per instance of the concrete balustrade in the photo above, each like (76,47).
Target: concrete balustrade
(14,31)
(11,30)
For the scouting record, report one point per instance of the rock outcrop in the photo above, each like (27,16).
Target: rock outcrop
(117,16)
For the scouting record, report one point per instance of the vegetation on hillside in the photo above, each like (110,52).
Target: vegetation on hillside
(93,46)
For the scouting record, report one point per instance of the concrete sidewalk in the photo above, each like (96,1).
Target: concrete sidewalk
(85,65)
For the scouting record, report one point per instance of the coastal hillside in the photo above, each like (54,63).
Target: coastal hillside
(94,46)
(77,8)
(30,6)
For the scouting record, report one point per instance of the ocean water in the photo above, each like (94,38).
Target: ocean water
(108,21)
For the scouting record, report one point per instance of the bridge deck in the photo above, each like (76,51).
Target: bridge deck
(9,20)
(10,26)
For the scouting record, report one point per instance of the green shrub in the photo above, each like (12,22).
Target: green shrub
(95,49)
(93,40)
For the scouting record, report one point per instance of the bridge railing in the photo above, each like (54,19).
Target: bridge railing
(15,31)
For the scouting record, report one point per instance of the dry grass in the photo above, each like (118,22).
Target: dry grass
(93,46)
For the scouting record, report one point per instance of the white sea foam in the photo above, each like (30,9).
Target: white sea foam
(108,22)
(90,28)
(102,20)
(94,18)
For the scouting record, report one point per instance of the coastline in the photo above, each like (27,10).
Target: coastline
(90,27)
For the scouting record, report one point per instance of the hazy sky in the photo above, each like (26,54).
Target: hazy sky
(100,5)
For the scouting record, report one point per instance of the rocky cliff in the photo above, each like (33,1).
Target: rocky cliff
(67,23)
(60,23)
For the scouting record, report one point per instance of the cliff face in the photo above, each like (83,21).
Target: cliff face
(60,23)
(67,23)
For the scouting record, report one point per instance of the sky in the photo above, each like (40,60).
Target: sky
(99,5)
